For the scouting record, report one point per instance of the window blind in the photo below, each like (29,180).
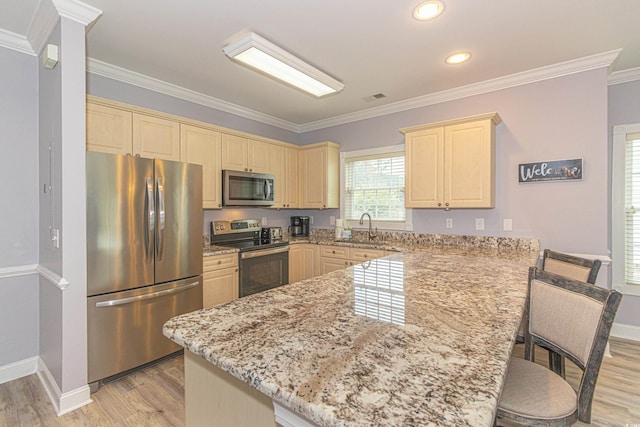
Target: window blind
(632,210)
(375,184)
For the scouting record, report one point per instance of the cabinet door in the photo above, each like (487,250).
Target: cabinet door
(109,130)
(219,286)
(310,261)
(423,168)
(202,147)
(469,153)
(277,160)
(234,152)
(327,265)
(314,169)
(156,138)
(295,263)
(292,178)
(258,156)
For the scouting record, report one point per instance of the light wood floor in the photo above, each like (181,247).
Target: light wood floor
(155,396)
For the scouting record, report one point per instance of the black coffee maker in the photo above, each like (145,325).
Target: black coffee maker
(299,226)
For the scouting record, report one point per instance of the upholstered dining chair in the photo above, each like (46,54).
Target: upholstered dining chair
(573,319)
(573,267)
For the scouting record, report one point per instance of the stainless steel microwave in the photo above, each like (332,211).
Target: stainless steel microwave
(246,188)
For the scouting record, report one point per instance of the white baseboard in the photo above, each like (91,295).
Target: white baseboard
(62,402)
(629,332)
(19,369)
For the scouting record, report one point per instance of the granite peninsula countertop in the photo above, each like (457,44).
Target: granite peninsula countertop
(415,338)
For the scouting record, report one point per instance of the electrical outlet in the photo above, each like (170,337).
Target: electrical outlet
(479,223)
(55,237)
(332,220)
(507,225)
(263,221)
(449,223)
(311,220)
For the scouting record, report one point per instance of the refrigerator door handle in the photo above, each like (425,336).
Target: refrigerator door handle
(161,215)
(151,218)
(129,300)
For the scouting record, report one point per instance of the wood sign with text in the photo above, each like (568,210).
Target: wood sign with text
(555,170)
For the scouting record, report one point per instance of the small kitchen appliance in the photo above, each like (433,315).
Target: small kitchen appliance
(271,234)
(299,226)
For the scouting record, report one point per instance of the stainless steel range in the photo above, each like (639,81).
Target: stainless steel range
(263,256)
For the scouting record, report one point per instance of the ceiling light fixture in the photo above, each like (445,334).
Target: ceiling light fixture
(458,58)
(262,55)
(428,10)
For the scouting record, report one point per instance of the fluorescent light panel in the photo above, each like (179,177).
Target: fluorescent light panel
(261,54)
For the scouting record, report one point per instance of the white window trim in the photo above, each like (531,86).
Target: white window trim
(618,210)
(407,225)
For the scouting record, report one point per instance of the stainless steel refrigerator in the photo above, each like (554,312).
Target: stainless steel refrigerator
(144,257)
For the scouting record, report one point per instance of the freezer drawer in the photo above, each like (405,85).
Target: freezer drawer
(125,328)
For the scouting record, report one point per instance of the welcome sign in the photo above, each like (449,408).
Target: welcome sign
(550,171)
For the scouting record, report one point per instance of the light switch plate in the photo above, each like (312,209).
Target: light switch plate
(479,223)
(449,223)
(263,221)
(332,220)
(507,225)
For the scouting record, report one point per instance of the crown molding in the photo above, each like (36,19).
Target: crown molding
(104,69)
(15,42)
(48,14)
(43,22)
(624,76)
(77,11)
(518,79)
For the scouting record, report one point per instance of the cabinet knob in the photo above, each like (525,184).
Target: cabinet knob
(365,255)
(439,204)
(346,263)
(446,204)
(219,261)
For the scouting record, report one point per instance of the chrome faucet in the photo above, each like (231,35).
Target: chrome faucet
(371,235)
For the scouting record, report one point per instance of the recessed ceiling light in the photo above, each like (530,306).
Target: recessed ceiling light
(457,58)
(428,10)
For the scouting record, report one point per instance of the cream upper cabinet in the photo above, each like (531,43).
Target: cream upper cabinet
(244,154)
(258,156)
(202,146)
(293,177)
(284,167)
(320,173)
(109,129)
(156,138)
(451,164)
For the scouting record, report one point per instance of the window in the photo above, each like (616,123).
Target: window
(373,182)
(626,209)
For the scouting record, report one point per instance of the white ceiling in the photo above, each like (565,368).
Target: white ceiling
(373,46)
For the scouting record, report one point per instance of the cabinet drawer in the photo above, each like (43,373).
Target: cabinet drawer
(365,254)
(219,261)
(334,252)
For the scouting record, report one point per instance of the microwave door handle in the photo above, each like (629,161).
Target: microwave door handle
(267,189)
(161,215)
(150,218)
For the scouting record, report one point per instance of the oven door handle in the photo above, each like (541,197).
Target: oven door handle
(263,252)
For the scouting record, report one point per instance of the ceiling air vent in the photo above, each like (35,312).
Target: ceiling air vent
(375,97)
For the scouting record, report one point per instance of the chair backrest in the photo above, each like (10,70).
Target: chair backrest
(573,319)
(585,270)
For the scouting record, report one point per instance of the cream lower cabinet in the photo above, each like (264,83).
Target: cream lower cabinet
(334,258)
(220,279)
(303,262)
(451,164)
(320,172)
(202,146)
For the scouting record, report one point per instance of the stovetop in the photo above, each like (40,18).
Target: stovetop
(242,234)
